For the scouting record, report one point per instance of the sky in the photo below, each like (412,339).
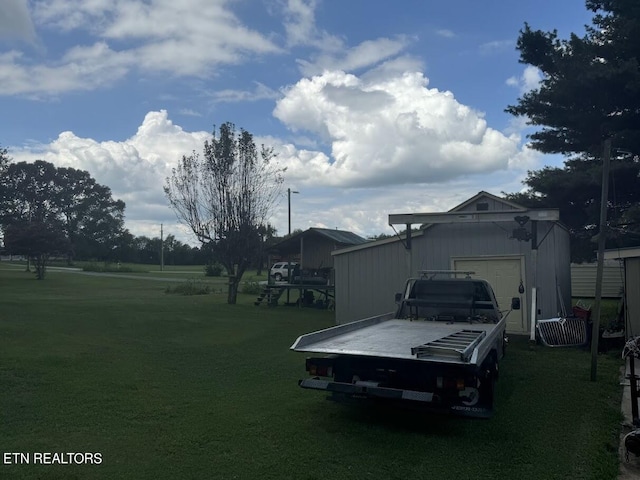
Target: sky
(373,107)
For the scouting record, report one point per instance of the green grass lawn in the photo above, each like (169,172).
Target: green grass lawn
(171,386)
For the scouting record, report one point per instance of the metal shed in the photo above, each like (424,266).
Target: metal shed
(480,235)
(631,260)
(313,247)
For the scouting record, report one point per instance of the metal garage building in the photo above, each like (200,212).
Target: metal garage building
(480,235)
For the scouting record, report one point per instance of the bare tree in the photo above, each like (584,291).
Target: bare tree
(225,196)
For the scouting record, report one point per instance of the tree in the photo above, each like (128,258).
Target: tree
(92,219)
(267,238)
(4,159)
(65,200)
(575,190)
(4,163)
(37,241)
(588,100)
(590,89)
(589,96)
(225,196)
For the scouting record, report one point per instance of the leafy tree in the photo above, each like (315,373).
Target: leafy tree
(4,163)
(65,200)
(590,89)
(267,238)
(575,190)
(589,94)
(92,219)
(4,159)
(225,196)
(28,192)
(37,241)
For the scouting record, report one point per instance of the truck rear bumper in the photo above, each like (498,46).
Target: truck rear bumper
(367,390)
(428,401)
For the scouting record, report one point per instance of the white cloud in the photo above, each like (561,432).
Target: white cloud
(299,22)
(134,169)
(495,46)
(443,32)
(188,112)
(332,51)
(185,38)
(396,66)
(82,68)
(68,15)
(15,21)
(260,92)
(370,188)
(365,54)
(388,130)
(529,80)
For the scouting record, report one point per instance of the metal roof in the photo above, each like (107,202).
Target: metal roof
(340,237)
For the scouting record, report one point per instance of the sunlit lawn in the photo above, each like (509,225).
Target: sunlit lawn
(171,386)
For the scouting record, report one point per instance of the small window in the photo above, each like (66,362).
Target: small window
(482,207)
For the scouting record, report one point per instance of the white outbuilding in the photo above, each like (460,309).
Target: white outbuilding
(522,252)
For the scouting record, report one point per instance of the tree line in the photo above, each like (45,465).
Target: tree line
(48,211)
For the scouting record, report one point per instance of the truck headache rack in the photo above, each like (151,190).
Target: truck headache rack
(563,332)
(458,345)
(454,273)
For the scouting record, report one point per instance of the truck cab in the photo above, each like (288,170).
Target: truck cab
(449,300)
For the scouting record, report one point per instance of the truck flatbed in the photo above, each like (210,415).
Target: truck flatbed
(439,350)
(420,340)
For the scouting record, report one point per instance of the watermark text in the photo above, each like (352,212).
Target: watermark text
(51,458)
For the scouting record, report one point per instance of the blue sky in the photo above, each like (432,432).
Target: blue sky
(374,107)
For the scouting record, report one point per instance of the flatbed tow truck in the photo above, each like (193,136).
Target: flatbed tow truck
(438,351)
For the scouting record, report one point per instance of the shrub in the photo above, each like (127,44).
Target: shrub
(190,287)
(213,269)
(107,267)
(251,287)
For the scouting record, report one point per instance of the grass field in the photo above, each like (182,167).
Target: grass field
(171,386)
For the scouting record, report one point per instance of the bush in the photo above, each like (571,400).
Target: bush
(190,287)
(213,269)
(107,267)
(251,287)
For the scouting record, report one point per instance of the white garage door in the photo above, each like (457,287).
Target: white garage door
(504,275)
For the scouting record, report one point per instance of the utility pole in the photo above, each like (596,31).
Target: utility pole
(161,249)
(289,192)
(602,236)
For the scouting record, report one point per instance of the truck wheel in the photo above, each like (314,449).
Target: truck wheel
(488,387)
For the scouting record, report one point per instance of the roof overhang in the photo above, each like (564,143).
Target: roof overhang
(630,252)
(550,215)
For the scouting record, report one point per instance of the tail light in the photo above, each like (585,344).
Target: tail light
(320,371)
(319,367)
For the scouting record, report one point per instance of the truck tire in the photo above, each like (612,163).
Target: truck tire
(489,379)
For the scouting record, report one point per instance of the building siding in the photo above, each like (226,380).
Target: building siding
(368,278)
(632,295)
(583,280)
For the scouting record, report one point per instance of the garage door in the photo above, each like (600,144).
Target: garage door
(504,275)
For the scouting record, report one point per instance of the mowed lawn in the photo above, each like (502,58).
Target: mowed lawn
(171,386)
